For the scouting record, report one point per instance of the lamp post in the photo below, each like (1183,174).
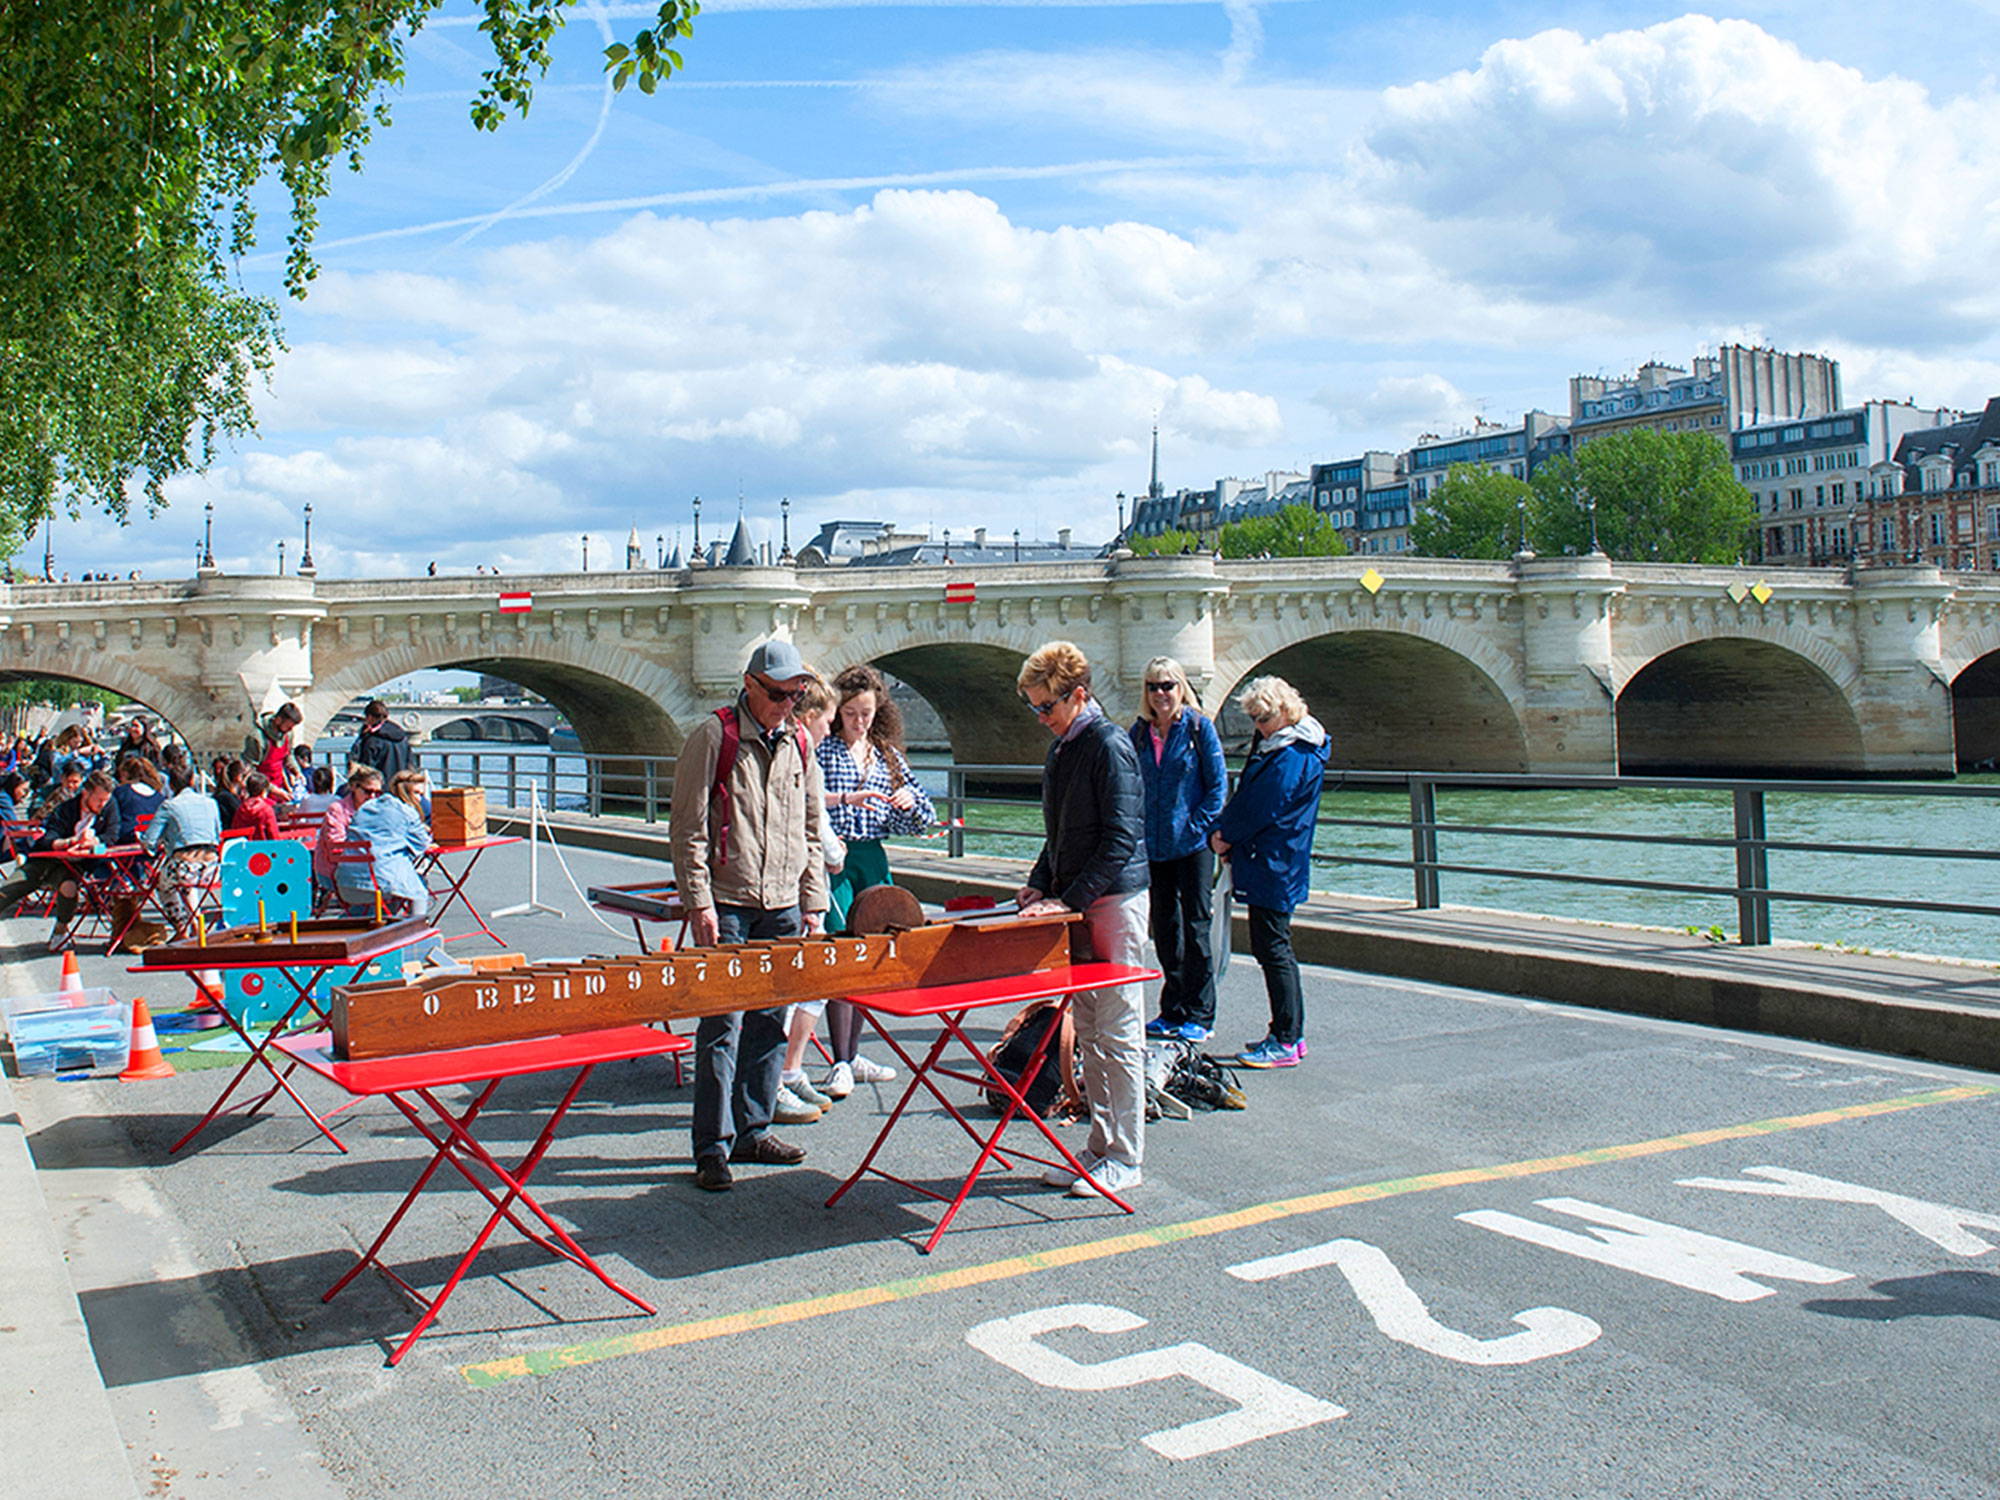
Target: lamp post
(207,533)
(947,544)
(281,557)
(1017,544)
(660,542)
(785,510)
(48,552)
(586,552)
(306,556)
(1590,503)
(697,523)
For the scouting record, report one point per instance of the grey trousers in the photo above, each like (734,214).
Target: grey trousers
(738,1057)
(1111,1032)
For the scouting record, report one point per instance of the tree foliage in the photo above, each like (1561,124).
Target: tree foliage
(134,136)
(1295,531)
(1473,512)
(1668,497)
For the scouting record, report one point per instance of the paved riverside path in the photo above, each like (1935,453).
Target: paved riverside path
(1595,1326)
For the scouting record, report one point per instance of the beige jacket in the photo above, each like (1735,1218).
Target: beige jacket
(776,813)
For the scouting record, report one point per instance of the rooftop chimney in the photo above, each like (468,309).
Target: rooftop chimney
(1062,538)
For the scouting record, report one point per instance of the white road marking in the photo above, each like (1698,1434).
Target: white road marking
(1944,1226)
(1265,1407)
(1400,1313)
(1665,1252)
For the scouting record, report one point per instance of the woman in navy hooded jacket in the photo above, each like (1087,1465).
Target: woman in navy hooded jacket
(1267,833)
(1180,761)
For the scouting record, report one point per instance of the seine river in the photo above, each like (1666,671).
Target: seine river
(1873,821)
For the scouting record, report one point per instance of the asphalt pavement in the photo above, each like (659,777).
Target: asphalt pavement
(1475,1245)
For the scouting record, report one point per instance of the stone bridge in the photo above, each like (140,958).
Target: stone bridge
(1570,665)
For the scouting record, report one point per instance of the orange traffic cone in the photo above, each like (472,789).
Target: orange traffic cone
(209,983)
(72,978)
(146,1059)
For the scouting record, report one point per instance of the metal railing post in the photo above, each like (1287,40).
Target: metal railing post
(652,790)
(954,796)
(1753,869)
(1424,843)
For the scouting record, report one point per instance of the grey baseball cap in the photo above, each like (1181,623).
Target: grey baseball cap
(777,660)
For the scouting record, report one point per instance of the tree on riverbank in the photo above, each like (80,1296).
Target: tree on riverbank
(134,135)
(1295,531)
(1669,497)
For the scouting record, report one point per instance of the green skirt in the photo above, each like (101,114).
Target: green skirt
(866,865)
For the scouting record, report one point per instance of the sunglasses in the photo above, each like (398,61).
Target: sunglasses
(1161,687)
(1043,710)
(778,694)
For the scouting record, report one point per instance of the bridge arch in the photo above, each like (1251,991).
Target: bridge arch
(619,702)
(971,686)
(1736,705)
(189,715)
(491,728)
(1394,700)
(1975,712)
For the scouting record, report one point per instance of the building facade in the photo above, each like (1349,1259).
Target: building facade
(1735,387)
(1937,498)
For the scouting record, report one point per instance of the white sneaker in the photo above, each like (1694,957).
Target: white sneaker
(792,1110)
(1114,1176)
(872,1072)
(1060,1176)
(803,1090)
(839,1081)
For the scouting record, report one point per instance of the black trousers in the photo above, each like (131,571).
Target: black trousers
(1271,944)
(1183,907)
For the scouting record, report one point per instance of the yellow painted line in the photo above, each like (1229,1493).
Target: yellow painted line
(548,1361)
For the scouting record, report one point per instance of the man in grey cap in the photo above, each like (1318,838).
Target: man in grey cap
(747,862)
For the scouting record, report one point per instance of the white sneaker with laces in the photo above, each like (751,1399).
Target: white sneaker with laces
(792,1110)
(803,1090)
(872,1072)
(1060,1176)
(1115,1177)
(839,1081)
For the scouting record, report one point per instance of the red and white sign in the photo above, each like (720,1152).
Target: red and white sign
(516,604)
(958,593)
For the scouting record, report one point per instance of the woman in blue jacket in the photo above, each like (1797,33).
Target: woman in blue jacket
(1180,761)
(1267,833)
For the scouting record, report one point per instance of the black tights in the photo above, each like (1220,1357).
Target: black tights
(843,1030)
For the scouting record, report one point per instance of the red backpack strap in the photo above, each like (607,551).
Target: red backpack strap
(725,762)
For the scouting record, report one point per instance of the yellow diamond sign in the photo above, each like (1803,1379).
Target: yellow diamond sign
(1762,592)
(1738,593)
(1372,580)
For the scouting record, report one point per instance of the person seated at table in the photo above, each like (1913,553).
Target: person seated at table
(226,787)
(397,838)
(321,797)
(414,788)
(184,835)
(256,812)
(15,794)
(138,743)
(365,782)
(63,789)
(86,822)
(138,797)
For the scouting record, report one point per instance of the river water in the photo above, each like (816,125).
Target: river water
(1875,821)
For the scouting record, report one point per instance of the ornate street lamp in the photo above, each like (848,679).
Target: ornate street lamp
(586,552)
(697,523)
(785,509)
(207,533)
(1017,544)
(1590,503)
(660,542)
(306,556)
(48,552)
(281,557)
(947,544)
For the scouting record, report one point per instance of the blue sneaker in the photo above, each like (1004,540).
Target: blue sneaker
(1272,1053)
(1160,1029)
(1194,1031)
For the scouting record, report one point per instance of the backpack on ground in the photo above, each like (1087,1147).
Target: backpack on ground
(1053,1087)
(1181,1072)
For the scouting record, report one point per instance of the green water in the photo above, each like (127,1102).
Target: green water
(1939,823)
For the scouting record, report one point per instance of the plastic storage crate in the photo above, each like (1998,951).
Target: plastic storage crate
(58,1033)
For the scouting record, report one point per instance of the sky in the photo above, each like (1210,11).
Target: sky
(944,265)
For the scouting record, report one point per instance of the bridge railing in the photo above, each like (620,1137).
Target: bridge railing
(995,809)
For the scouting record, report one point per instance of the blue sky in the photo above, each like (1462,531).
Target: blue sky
(942,264)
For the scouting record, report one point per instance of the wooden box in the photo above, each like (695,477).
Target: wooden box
(458,814)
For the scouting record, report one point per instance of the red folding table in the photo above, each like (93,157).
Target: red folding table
(420,1075)
(950,1004)
(396,936)
(454,889)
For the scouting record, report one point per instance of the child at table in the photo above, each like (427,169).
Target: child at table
(256,813)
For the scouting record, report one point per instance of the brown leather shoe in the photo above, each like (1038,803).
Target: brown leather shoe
(768,1150)
(711,1173)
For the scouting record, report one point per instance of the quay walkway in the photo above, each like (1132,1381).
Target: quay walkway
(60,1440)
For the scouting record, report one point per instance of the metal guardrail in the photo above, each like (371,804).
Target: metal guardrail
(641,787)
